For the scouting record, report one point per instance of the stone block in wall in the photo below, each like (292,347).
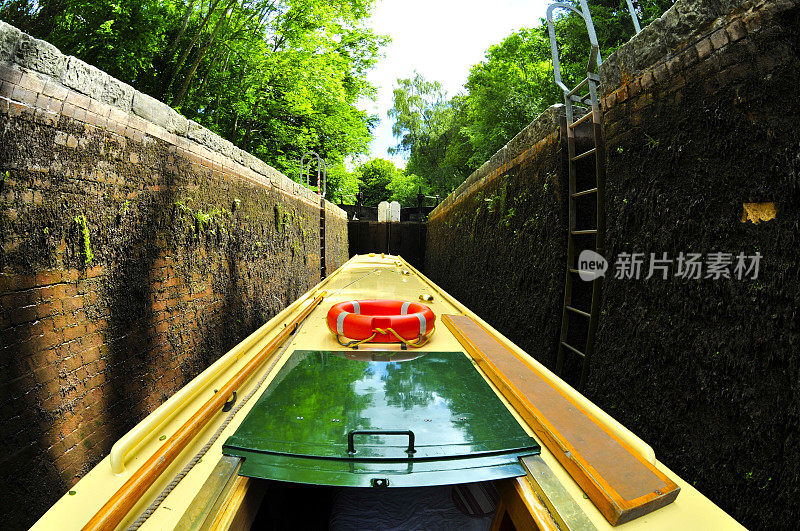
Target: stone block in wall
(240,156)
(9,38)
(226,148)
(118,94)
(84,78)
(150,109)
(212,141)
(176,123)
(677,27)
(543,125)
(40,56)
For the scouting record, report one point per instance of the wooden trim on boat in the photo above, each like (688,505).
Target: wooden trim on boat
(117,507)
(206,504)
(563,507)
(241,506)
(621,484)
(519,501)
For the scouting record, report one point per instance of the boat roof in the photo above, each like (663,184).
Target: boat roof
(362,277)
(344,419)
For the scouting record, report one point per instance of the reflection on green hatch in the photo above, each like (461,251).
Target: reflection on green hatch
(398,419)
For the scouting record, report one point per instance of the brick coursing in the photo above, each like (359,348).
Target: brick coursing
(698,117)
(192,250)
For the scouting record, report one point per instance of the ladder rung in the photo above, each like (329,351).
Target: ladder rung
(584,154)
(585,192)
(579,312)
(578,87)
(573,349)
(580,120)
(581,232)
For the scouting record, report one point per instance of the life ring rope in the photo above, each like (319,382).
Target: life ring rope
(420,341)
(336,314)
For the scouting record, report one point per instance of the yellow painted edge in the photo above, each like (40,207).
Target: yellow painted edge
(638,445)
(124,447)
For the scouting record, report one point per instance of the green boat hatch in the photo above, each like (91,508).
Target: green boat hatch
(380,419)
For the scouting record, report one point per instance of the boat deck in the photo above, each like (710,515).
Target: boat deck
(362,277)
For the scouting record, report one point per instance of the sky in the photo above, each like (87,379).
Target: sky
(441,39)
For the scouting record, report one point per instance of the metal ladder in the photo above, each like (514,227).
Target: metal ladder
(589,198)
(322,187)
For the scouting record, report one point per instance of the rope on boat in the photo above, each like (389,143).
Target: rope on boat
(353,282)
(420,341)
(147,513)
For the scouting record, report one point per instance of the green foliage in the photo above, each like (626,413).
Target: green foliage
(86,248)
(406,186)
(279,222)
(204,218)
(446,140)
(380,180)
(418,105)
(342,184)
(375,176)
(425,124)
(507,91)
(275,77)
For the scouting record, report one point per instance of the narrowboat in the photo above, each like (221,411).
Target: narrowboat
(378,401)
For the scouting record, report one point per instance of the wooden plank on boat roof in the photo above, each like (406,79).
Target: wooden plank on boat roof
(622,484)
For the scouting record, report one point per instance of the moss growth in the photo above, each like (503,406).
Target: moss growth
(204,218)
(201,219)
(86,249)
(182,206)
(278,217)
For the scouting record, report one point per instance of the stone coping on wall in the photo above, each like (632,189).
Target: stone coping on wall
(43,76)
(685,24)
(538,130)
(703,24)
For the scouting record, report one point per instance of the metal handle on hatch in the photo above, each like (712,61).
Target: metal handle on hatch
(351,444)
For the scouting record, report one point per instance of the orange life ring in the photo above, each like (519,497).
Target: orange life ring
(381,321)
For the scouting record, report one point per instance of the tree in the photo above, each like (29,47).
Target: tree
(406,186)
(507,91)
(275,77)
(417,106)
(343,185)
(426,125)
(375,176)
(448,140)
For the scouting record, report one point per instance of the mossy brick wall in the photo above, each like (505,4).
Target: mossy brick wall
(699,118)
(499,242)
(191,246)
(706,371)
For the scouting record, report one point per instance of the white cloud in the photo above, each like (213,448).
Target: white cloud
(440,39)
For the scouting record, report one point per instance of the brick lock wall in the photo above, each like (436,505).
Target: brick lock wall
(191,246)
(699,118)
(706,371)
(481,240)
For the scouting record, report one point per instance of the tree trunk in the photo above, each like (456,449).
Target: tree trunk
(189,47)
(188,77)
(186,18)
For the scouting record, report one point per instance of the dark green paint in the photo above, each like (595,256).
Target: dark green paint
(355,473)
(297,431)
